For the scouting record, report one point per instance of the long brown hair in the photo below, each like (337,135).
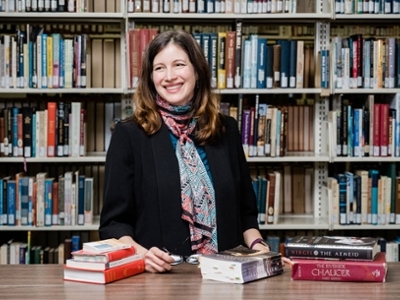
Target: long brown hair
(205,101)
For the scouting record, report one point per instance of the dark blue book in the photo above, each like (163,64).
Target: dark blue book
(81,199)
(270,67)
(357,199)
(374,176)
(342,182)
(213,58)
(292,63)
(11,202)
(285,62)
(24,199)
(261,63)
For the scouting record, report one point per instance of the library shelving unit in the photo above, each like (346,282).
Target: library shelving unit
(321,21)
(357,23)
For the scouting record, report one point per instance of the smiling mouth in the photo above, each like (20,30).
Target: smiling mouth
(173,87)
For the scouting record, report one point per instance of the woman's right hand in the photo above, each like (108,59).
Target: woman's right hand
(157,261)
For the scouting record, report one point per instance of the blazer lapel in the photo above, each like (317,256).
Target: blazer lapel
(168,187)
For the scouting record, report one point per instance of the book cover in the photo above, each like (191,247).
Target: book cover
(88,256)
(101,266)
(240,265)
(106,276)
(333,247)
(308,269)
(104,246)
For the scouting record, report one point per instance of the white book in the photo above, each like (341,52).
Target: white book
(67,197)
(40,202)
(74,128)
(300,65)
(278,197)
(253,61)
(13,83)
(333,185)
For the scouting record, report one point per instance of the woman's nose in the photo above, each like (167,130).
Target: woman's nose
(170,74)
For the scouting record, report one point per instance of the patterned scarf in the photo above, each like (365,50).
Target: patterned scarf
(197,191)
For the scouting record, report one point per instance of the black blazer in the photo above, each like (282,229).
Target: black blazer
(142,195)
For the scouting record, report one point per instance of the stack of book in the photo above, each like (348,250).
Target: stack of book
(240,265)
(103,262)
(336,258)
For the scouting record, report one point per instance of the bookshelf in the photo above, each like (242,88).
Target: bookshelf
(119,23)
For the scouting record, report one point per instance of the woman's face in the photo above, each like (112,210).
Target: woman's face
(173,75)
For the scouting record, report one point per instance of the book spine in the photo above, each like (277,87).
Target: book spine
(11,202)
(342,271)
(261,68)
(221,71)
(230,59)
(81,199)
(238,54)
(48,201)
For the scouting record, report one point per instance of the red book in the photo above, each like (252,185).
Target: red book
(106,276)
(342,270)
(51,128)
(106,257)
(376,134)
(384,128)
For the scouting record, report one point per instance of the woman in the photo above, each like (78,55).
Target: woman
(176,176)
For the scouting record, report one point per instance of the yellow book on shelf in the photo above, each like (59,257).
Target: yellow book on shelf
(221,69)
(49,62)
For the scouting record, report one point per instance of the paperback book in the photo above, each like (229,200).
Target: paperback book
(240,265)
(333,247)
(344,270)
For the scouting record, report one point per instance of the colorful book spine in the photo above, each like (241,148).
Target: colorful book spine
(11,202)
(374,176)
(81,199)
(261,61)
(328,270)
(48,201)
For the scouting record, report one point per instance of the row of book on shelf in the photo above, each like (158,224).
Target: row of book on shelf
(365,197)
(367,6)
(41,200)
(58,130)
(222,6)
(360,62)
(249,62)
(35,58)
(273,130)
(78,6)
(362,129)
(288,190)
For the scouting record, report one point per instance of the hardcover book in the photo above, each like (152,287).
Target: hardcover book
(106,276)
(240,265)
(101,266)
(333,247)
(330,270)
(86,256)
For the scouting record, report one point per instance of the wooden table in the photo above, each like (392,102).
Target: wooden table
(185,282)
